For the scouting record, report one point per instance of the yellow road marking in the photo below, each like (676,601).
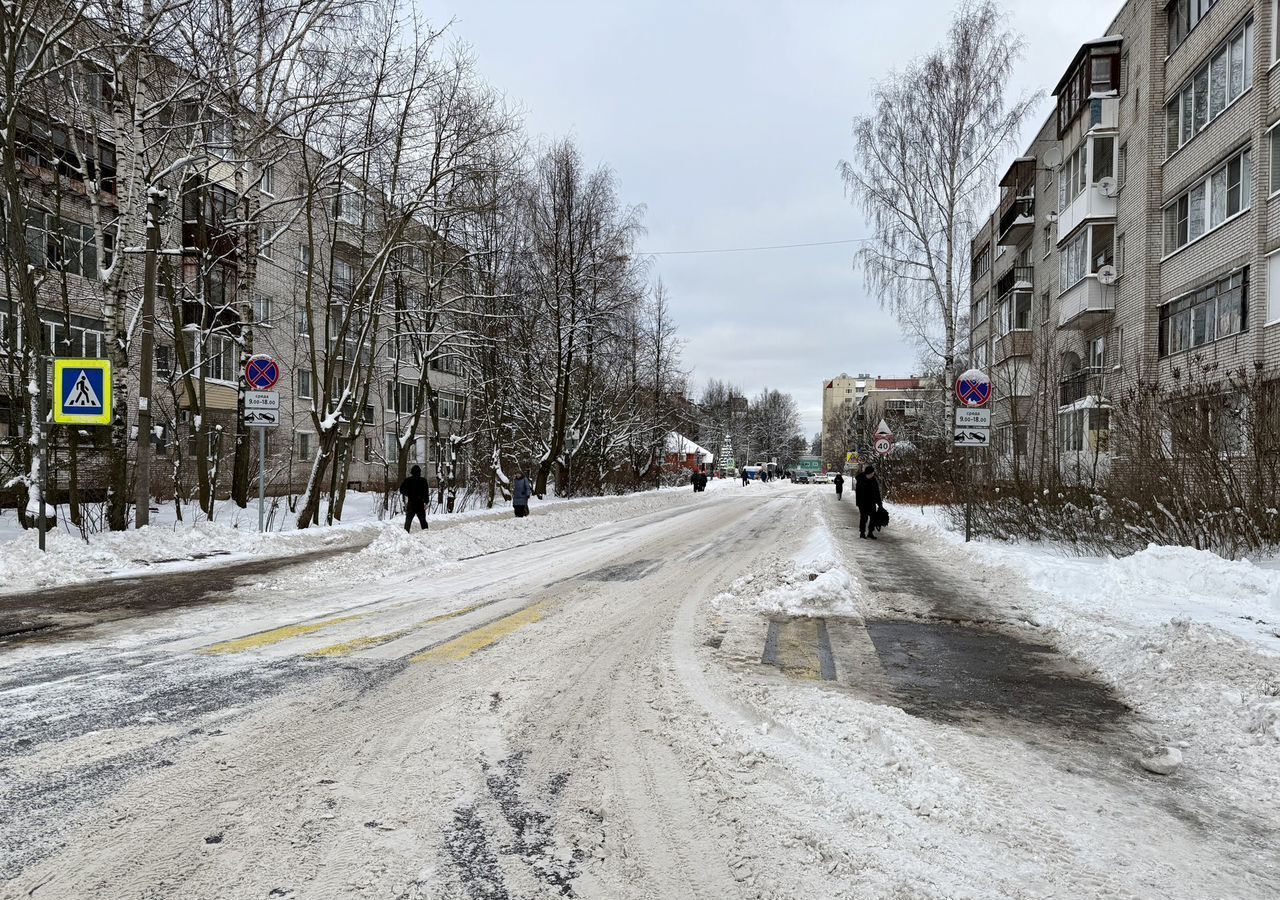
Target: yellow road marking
(466,644)
(275,635)
(798,649)
(376,640)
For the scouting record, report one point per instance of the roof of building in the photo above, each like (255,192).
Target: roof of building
(680,445)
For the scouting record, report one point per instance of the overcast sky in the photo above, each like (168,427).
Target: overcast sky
(726,120)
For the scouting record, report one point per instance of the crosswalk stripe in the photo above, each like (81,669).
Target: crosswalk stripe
(276,635)
(477,639)
(377,640)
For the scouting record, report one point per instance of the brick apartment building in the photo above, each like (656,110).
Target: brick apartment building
(1135,239)
(322,254)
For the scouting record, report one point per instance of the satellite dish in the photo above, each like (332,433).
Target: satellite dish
(1107,275)
(1052,158)
(1051,217)
(1108,186)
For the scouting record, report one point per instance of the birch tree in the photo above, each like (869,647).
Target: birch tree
(923,167)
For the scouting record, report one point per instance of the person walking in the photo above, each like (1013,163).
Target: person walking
(866,494)
(415,490)
(745,477)
(521,491)
(839,486)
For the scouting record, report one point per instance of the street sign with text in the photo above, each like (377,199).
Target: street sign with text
(262,409)
(972,418)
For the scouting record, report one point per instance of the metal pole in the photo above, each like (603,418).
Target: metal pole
(262,478)
(42,443)
(968,495)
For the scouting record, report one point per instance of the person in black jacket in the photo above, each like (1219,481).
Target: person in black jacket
(839,486)
(415,489)
(866,494)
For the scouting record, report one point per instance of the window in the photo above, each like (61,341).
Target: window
(304,259)
(1104,157)
(97,87)
(261,309)
(982,262)
(393,447)
(1227,75)
(980,309)
(1074,261)
(221,131)
(1274,138)
(266,238)
(1215,423)
(1225,193)
(1046,240)
(1083,429)
(1097,351)
(304,322)
(1273,287)
(981,355)
(268,183)
(348,205)
(163,365)
(344,277)
(1119,254)
(1183,16)
(1215,311)
(219,361)
(1122,164)
(304,444)
(304,384)
(63,245)
(1097,76)
(402,398)
(1015,313)
(1073,176)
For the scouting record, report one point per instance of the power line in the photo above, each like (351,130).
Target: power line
(754,249)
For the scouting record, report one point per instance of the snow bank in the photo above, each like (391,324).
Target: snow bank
(172,546)
(1187,637)
(816,585)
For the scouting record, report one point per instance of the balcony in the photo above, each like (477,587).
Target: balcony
(1015,343)
(1079,385)
(1017,216)
(1019,278)
(1091,204)
(1085,304)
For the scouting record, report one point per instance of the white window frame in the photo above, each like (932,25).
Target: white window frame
(1206,182)
(267,183)
(1247,33)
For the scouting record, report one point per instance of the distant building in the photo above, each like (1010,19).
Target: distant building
(682,453)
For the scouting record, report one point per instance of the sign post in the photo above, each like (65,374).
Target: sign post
(262,411)
(972,428)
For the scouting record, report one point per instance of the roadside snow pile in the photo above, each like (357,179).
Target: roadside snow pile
(170,547)
(1187,637)
(812,584)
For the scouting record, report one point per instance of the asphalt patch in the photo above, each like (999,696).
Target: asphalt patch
(951,672)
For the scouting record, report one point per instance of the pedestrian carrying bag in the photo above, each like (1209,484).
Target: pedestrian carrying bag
(880,518)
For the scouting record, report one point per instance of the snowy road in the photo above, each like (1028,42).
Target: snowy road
(635,708)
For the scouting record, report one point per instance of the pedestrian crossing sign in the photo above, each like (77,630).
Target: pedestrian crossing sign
(82,391)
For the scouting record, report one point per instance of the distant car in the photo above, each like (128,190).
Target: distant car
(822,478)
(800,477)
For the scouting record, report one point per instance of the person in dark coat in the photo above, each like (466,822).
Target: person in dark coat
(699,482)
(839,486)
(745,477)
(521,491)
(866,494)
(415,491)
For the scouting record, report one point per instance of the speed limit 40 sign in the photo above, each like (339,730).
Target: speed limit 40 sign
(883,445)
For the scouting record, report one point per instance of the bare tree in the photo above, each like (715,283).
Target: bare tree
(923,166)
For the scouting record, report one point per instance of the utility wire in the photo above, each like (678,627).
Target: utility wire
(753,249)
